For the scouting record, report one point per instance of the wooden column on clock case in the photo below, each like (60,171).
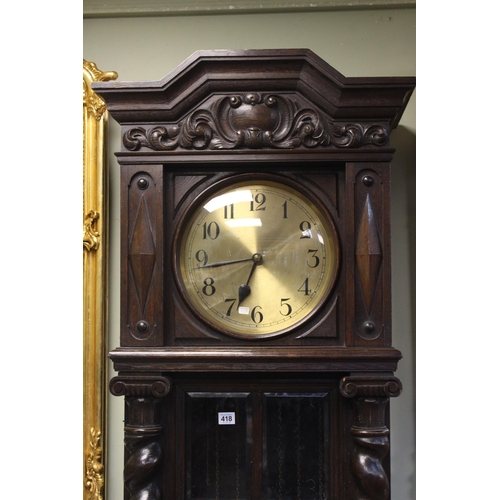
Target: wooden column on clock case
(144,432)
(369,395)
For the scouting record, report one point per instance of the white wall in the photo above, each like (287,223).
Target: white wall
(356,43)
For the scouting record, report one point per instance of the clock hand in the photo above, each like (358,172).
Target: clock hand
(224,263)
(244,290)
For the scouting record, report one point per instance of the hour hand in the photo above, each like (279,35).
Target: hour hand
(244,290)
(243,293)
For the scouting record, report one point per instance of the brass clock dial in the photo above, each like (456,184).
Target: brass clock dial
(257,258)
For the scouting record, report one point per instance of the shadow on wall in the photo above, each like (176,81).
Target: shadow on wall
(403,199)
(404,164)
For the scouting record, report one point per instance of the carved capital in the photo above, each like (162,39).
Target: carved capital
(370,385)
(140,385)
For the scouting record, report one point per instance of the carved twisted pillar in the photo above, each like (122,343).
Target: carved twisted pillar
(144,396)
(369,395)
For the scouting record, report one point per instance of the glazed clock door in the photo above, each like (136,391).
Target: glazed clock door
(296,446)
(218,442)
(264,444)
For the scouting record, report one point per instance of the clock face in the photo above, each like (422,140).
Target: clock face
(257,258)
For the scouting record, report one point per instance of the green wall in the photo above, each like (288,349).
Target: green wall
(356,43)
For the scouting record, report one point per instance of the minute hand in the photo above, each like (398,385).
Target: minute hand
(224,263)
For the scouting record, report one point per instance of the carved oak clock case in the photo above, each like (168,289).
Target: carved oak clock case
(255,357)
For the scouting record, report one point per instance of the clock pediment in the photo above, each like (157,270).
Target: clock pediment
(260,99)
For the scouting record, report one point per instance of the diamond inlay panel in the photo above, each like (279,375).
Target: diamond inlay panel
(142,254)
(368,253)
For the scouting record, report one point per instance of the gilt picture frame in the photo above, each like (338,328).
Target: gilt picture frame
(95,283)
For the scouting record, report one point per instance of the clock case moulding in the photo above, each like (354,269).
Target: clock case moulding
(283,115)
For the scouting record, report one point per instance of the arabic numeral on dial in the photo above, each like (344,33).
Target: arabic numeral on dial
(305,287)
(314,259)
(211,230)
(288,310)
(231,301)
(258,202)
(202,257)
(285,210)
(229,211)
(305,229)
(209,288)
(257,316)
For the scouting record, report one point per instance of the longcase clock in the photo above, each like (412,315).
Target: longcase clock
(255,354)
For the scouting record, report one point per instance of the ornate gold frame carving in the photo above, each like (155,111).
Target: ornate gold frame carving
(95,283)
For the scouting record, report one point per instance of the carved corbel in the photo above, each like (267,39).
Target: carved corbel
(144,452)
(369,395)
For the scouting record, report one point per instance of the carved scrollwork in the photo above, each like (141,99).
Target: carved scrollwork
(355,135)
(90,234)
(157,138)
(255,121)
(91,100)
(94,480)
